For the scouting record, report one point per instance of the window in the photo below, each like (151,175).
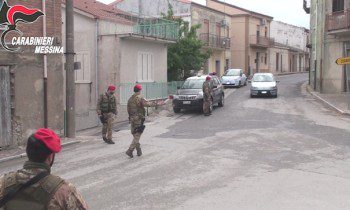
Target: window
(206,26)
(265,31)
(145,65)
(265,58)
(83,75)
(338,5)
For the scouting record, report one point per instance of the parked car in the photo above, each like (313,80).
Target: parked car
(263,84)
(234,78)
(190,95)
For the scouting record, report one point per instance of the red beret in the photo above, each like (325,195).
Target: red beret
(138,86)
(111,88)
(49,138)
(208,78)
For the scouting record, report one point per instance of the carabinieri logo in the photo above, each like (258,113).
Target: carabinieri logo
(11,15)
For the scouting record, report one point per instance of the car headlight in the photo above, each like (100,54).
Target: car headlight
(200,95)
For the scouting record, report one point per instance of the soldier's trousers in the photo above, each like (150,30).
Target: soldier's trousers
(136,140)
(107,127)
(206,106)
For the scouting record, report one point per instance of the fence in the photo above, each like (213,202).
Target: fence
(150,91)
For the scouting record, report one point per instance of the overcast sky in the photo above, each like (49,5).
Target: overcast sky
(288,11)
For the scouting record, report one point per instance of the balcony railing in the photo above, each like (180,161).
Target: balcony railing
(261,41)
(306,6)
(338,20)
(215,41)
(158,28)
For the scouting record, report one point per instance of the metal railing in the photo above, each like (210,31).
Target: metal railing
(338,20)
(151,90)
(215,41)
(159,28)
(261,41)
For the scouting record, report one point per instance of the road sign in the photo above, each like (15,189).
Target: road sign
(343,61)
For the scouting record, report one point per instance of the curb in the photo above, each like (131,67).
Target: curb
(25,155)
(329,104)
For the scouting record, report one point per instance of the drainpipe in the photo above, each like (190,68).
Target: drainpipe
(45,69)
(97,69)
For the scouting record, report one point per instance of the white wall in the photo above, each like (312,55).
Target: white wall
(289,35)
(131,48)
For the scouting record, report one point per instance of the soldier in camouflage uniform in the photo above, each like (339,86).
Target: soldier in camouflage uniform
(106,109)
(48,191)
(137,114)
(207,98)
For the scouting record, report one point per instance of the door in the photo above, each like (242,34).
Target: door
(257,60)
(217,68)
(5,107)
(216,90)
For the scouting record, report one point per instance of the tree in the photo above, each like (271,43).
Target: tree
(187,53)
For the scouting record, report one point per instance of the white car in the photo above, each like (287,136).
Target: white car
(234,78)
(263,84)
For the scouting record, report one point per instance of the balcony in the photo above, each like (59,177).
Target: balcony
(338,22)
(158,28)
(306,6)
(214,41)
(260,41)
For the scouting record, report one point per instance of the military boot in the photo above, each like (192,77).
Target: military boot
(138,149)
(129,153)
(110,141)
(105,139)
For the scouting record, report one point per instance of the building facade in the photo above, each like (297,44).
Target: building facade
(23,108)
(215,33)
(115,47)
(250,37)
(289,52)
(330,40)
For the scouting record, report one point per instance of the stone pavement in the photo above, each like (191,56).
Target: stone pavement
(338,102)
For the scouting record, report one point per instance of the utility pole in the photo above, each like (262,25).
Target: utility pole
(70,77)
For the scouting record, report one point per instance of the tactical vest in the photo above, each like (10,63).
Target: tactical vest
(36,197)
(134,109)
(108,104)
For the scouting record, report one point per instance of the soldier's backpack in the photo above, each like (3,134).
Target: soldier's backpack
(29,196)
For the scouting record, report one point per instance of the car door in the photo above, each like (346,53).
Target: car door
(216,89)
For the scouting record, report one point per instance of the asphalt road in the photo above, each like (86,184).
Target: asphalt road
(261,153)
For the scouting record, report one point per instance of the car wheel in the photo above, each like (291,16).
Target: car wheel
(252,96)
(275,96)
(222,101)
(177,110)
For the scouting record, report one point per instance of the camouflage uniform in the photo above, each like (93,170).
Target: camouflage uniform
(207,99)
(137,114)
(51,192)
(107,107)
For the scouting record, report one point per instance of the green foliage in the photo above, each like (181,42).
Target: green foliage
(187,53)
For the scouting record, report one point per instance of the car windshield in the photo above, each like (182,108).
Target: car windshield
(263,78)
(233,72)
(193,84)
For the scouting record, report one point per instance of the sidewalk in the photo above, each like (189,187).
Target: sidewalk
(337,102)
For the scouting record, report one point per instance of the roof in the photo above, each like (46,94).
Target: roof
(208,8)
(100,10)
(119,1)
(240,8)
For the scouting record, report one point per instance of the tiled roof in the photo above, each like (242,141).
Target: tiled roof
(118,1)
(100,10)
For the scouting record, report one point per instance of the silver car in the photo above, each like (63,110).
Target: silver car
(263,84)
(234,78)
